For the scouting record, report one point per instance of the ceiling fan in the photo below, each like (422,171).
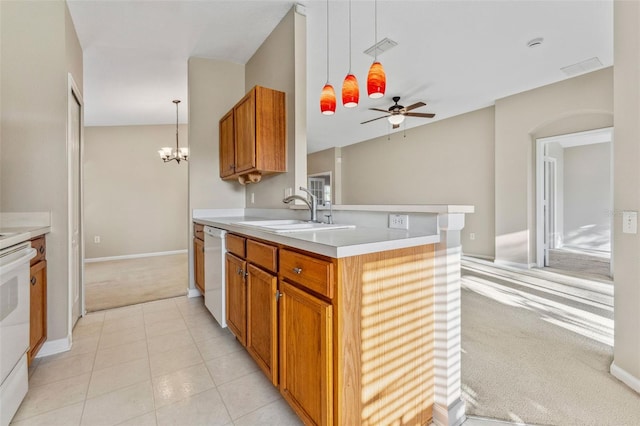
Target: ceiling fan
(396,113)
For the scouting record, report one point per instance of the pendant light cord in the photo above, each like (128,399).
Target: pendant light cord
(177,145)
(375,28)
(350,37)
(327,41)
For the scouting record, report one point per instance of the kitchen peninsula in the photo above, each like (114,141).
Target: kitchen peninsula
(362,324)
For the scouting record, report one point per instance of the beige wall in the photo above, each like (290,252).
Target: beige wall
(328,160)
(136,203)
(577,104)
(626,154)
(38,48)
(446,162)
(214,87)
(587,196)
(280,63)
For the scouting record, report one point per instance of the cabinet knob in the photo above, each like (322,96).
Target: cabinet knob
(41,249)
(297,270)
(278,295)
(33,280)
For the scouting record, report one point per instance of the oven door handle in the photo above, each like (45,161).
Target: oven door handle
(29,254)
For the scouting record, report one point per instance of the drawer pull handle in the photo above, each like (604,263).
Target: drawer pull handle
(33,280)
(297,270)
(41,250)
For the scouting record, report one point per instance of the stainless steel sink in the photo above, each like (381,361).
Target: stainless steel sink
(291,225)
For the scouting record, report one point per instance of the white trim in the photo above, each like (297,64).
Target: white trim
(478,256)
(134,256)
(74,93)
(193,292)
(625,377)
(52,347)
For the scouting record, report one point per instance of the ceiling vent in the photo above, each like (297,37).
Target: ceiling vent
(382,46)
(582,67)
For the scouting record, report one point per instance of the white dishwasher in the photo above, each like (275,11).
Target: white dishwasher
(214,276)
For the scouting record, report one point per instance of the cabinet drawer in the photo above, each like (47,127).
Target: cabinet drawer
(263,255)
(198,231)
(236,245)
(315,274)
(40,245)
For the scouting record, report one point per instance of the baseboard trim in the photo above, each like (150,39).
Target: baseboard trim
(52,347)
(134,256)
(625,377)
(514,264)
(193,292)
(478,256)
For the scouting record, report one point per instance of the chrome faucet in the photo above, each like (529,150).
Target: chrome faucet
(313,204)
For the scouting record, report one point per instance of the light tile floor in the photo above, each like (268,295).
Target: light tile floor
(159,363)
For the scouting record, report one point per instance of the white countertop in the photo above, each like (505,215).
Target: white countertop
(335,243)
(20,234)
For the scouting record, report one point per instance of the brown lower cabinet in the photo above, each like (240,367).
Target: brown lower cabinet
(347,341)
(198,257)
(38,299)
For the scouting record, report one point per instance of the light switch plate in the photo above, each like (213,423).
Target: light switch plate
(630,222)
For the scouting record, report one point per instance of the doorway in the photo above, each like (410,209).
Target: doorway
(74,152)
(574,198)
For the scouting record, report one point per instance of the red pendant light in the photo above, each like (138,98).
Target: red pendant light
(376,79)
(328,100)
(350,89)
(328,95)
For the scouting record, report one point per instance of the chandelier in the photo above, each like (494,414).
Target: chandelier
(169,154)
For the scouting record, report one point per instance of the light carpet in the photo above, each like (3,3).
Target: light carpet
(125,282)
(539,360)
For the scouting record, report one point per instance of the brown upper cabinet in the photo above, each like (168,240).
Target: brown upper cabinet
(253,139)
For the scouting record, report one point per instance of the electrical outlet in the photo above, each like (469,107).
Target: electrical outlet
(253,197)
(630,222)
(288,192)
(399,221)
(472,236)
(96,239)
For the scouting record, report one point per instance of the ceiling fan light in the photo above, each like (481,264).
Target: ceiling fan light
(328,100)
(376,81)
(396,118)
(350,91)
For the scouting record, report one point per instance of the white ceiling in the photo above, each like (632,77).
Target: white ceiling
(457,56)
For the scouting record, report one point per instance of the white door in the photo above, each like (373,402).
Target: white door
(75,230)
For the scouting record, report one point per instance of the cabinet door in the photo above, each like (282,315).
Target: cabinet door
(306,355)
(262,321)
(245,132)
(38,310)
(236,297)
(198,264)
(227,149)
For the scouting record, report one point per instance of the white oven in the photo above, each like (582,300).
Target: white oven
(14,327)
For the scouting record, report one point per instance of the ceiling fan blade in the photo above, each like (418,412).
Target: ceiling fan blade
(381,110)
(374,119)
(420,114)
(414,106)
